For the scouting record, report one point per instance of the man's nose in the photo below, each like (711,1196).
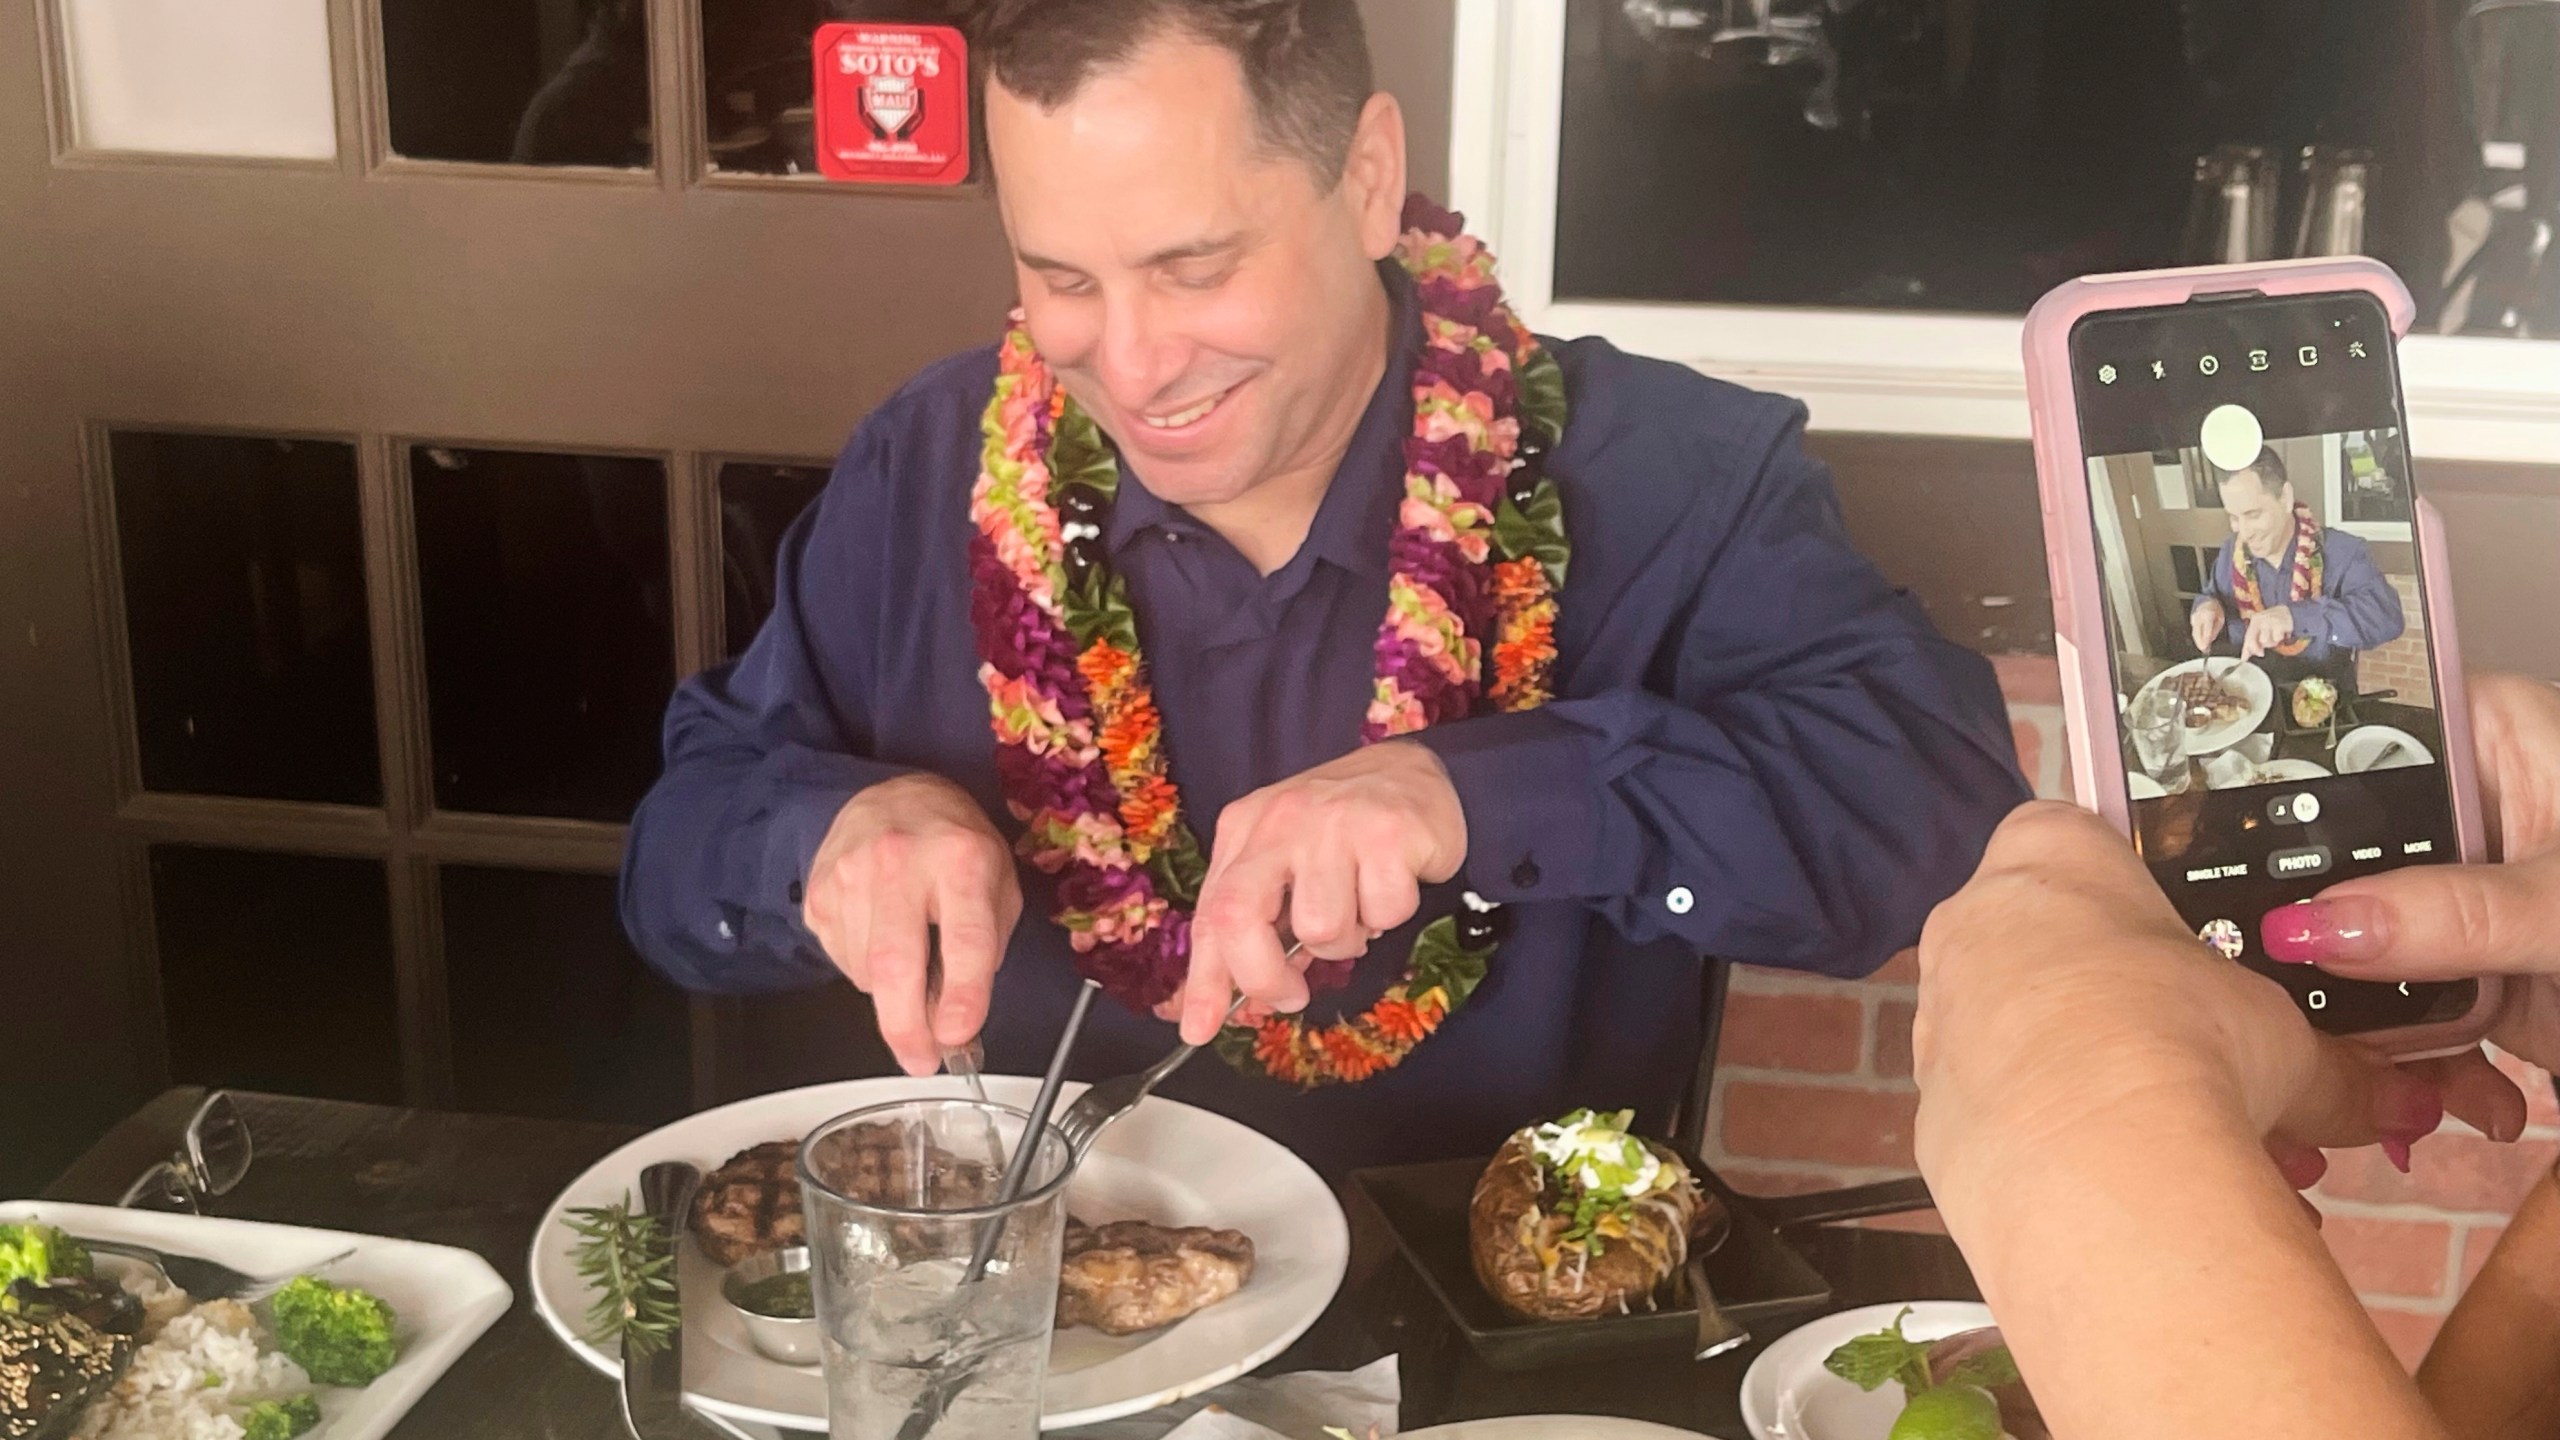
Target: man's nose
(1138,359)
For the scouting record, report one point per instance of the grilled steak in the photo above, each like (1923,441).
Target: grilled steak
(751,1204)
(1131,1276)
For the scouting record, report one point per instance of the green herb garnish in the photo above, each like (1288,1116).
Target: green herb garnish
(631,1264)
(1870,1360)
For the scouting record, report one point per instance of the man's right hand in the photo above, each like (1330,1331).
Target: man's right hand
(903,855)
(2207,624)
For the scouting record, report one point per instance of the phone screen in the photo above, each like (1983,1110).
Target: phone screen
(2254,503)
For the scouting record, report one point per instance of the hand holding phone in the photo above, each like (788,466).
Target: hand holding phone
(2262,678)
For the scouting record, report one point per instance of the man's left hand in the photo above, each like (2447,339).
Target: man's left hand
(1340,852)
(2267,630)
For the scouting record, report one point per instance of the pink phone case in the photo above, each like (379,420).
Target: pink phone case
(2079,618)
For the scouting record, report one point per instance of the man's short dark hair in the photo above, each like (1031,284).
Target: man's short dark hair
(2268,467)
(1306,62)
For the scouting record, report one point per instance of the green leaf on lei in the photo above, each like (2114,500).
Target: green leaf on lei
(1539,532)
(1179,867)
(1542,401)
(1098,608)
(1078,455)
(1439,961)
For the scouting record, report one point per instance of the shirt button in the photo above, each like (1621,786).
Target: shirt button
(795,892)
(727,931)
(1526,875)
(1680,901)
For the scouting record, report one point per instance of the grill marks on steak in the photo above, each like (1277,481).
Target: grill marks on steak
(1131,1276)
(751,1204)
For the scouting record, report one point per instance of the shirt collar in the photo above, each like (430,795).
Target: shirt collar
(1357,517)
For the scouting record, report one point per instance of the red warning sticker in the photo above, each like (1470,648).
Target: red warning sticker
(893,103)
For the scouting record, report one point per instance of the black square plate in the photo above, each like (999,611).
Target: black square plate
(1761,1280)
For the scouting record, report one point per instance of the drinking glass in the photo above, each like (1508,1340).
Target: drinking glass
(2159,738)
(898,1198)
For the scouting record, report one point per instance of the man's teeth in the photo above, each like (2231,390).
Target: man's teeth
(1180,418)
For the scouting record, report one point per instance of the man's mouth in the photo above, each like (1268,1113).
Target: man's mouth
(1189,415)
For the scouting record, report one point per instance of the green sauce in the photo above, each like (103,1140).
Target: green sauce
(784,1297)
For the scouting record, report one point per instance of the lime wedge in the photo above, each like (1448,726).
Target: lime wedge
(1950,1412)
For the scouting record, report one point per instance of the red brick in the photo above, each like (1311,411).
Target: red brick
(2477,1242)
(1902,969)
(1817,1034)
(2029,738)
(1806,1122)
(2029,679)
(2409,1332)
(2451,1170)
(2404,1258)
(1893,1038)
(1762,1180)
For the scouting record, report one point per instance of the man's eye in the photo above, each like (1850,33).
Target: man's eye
(1068,284)
(1202,278)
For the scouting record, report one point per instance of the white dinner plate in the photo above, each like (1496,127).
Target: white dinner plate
(1787,1395)
(2240,675)
(2358,749)
(1167,1162)
(442,1298)
(1552,1427)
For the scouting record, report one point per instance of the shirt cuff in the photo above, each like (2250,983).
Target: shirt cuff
(799,812)
(1530,787)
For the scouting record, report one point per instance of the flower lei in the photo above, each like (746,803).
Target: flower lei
(2310,566)
(1478,554)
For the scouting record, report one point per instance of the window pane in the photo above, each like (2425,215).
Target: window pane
(757,81)
(519,82)
(552,1012)
(244,595)
(757,503)
(276,973)
(243,77)
(1900,155)
(801,1037)
(543,581)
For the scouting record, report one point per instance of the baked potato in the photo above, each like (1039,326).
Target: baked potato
(1579,1219)
(2314,701)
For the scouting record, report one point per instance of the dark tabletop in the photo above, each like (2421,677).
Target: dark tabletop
(482,1183)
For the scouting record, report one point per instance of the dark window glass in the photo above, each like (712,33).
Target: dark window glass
(757,82)
(1910,154)
(757,503)
(244,593)
(800,1037)
(518,82)
(552,1012)
(543,581)
(276,972)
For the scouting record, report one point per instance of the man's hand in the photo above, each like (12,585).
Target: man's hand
(2206,624)
(1341,853)
(903,855)
(2267,630)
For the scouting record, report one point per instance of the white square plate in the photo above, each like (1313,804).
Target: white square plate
(443,1297)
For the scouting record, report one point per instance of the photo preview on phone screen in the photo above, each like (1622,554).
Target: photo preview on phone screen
(2255,513)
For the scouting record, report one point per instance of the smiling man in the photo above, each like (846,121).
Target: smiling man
(1269,613)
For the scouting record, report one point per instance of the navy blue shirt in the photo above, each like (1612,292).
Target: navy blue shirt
(2356,609)
(1761,752)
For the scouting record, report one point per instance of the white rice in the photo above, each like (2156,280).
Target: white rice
(196,1376)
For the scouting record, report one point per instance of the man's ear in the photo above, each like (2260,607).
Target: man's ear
(1373,175)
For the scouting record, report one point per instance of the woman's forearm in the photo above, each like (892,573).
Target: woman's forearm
(2494,1373)
(2154,1275)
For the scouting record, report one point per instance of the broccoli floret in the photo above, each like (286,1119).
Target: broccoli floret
(40,1253)
(339,1335)
(280,1419)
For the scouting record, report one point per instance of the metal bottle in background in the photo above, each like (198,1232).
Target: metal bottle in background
(2231,219)
(2337,185)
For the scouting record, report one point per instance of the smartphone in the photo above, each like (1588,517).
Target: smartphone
(2260,672)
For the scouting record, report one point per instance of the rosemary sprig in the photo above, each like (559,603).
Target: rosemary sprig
(630,1264)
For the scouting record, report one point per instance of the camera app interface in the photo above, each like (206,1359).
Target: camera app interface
(2252,493)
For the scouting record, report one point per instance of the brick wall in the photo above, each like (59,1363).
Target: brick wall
(1813,1090)
(2402,664)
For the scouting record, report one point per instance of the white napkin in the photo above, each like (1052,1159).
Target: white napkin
(1285,1407)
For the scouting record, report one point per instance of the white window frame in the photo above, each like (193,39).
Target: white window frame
(2470,397)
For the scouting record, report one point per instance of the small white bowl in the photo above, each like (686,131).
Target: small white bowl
(784,1340)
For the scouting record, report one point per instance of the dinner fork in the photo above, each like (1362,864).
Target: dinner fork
(1097,1108)
(205,1279)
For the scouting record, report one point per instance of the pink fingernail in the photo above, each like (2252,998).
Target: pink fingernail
(2323,932)
(2397,1151)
